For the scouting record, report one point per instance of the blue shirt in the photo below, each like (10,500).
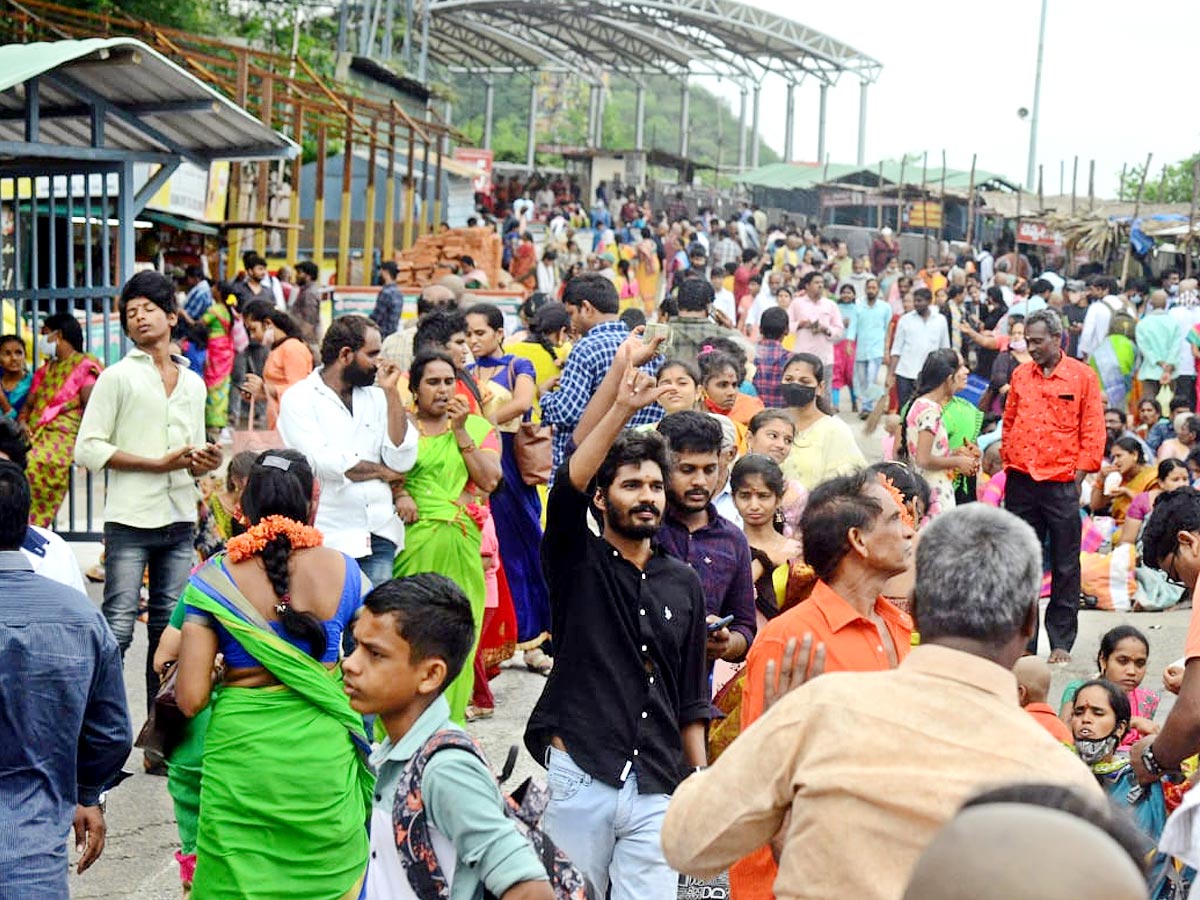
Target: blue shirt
(871,322)
(198,300)
(64,724)
(388,306)
(586,367)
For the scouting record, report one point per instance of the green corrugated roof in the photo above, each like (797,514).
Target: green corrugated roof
(20,62)
(801,176)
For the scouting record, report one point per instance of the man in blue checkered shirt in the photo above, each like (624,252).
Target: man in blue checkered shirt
(592,302)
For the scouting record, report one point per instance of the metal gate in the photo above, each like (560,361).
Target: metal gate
(59,252)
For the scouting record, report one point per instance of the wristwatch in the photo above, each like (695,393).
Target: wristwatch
(1152,765)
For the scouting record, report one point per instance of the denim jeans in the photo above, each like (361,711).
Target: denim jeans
(611,834)
(906,388)
(865,373)
(169,554)
(378,566)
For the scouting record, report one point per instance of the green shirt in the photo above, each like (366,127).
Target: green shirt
(129,410)
(463,803)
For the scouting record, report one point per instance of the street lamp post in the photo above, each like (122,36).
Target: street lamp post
(1037,99)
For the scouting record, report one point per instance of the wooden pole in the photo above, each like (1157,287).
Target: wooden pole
(293,235)
(426,206)
(263,200)
(1137,207)
(1187,262)
(410,186)
(1121,189)
(971,206)
(437,191)
(942,201)
(1062,177)
(1091,185)
(389,202)
(318,238)
(369,218)
(347,211)
(1074,178)
(236,193)
(1160,197)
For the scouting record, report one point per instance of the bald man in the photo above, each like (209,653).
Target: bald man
(1033,690)
(1004,850)
(398,346)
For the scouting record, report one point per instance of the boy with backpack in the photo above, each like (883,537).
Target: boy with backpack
(439,830)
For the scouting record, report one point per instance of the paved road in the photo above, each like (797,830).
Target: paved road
(138,861)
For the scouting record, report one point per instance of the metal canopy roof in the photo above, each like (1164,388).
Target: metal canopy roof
(122,91)
(633,38)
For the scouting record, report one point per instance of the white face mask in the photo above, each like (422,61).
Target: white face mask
(47,346)
(268,339)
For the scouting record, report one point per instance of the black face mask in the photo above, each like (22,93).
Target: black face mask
(798,395)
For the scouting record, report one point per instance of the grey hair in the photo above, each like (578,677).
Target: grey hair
(1047,317)
(979,569)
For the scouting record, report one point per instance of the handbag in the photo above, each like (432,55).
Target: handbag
(255,441)
(166,724)
(532,447)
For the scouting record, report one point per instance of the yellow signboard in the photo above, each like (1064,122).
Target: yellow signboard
(925,215)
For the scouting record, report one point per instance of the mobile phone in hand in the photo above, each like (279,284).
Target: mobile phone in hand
(717,624)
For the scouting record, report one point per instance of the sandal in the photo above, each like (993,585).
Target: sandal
(480,712)
(537,661)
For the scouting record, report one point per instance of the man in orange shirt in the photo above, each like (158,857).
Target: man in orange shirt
(1053,436)
(1033,687)
(857,535)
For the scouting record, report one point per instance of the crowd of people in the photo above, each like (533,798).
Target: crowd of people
(656,495)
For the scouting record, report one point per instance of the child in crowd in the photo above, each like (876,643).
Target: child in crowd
(1122,661)
(220,507)
(1033,690)
(684,380)
(770,357)
(1100,721)
(413,636)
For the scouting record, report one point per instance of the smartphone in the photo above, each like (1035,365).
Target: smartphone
(715,626)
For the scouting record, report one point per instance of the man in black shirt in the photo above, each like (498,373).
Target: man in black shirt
(622,718)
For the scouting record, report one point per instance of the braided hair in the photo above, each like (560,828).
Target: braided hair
(276,491)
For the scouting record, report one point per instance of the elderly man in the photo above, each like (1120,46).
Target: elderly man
(856,537)
(398,346)
(837,754)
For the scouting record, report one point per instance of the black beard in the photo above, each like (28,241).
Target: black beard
(357,377)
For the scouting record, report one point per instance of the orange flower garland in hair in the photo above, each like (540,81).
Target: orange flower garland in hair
(256,538)
(905,514)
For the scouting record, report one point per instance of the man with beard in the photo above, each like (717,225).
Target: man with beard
(359,442)
(693,532)
(623,715)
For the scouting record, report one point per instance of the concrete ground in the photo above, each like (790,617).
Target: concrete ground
(138,861)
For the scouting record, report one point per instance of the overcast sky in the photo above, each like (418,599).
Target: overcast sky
(1114,84)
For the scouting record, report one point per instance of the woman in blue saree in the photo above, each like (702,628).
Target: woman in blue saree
(508,384)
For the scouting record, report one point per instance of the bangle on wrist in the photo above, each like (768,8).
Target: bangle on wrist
(468,448)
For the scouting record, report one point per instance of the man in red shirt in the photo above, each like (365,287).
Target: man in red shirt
(1053,437)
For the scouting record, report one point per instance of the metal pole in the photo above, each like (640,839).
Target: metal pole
(389,28)
(754,138)
(879,198)
(862,124)
(924,207)
(1037,99)
(742,132)
(591,125)
(343,26)
(639,125)
(293,235)
(1041,196)
(789,122)
(531,144)
(369,217)
(685,99)
(1074,180)
(423,62)
(489,104)
(971,204)
(406,44)
(1187,261)
(1091,185)
(942,203)
(600,115)
(821,122)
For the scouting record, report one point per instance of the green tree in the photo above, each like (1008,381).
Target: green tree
(1172,185)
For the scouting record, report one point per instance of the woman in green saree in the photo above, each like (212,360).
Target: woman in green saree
(458,465)
(286,790)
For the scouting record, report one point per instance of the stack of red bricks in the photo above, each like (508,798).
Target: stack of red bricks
(425,261)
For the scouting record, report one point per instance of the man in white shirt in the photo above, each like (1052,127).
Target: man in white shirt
(918,333)
(355,431)
(144,424)
(46,551)
(764,301)
(1186,314)
(723,301)
(987,266)
(1104,303)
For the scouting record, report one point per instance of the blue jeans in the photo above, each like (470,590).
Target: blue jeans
(865,373)
(611,834)
(378,566)
(169,553)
